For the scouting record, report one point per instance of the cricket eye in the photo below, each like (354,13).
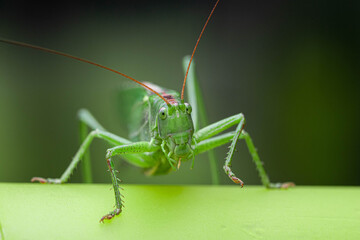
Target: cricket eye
(188,108)
(162,113)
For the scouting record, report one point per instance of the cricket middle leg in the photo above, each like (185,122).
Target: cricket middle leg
(207,141)
(86,121)
(108,137)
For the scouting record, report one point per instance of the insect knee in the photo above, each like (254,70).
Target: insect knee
(109,153)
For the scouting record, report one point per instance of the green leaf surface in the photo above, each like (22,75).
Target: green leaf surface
(72,211)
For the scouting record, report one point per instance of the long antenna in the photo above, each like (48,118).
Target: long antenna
(192,55)
(81,60)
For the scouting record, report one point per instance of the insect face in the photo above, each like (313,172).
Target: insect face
(176,128)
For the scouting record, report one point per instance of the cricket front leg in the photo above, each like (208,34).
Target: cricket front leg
(230,154)
(214,129)
(133,148)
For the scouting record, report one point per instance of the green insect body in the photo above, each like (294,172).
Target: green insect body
(162,136)
(171,127)
(163,132)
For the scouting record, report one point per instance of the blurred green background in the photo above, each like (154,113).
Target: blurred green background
(292,67)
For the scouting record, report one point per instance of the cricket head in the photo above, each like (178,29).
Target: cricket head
(176,128)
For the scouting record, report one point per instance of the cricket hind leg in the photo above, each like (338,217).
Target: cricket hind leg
(199,114)
(109,137)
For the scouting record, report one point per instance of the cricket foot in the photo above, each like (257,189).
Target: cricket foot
(110,215)
(285,185)
(46,180)
(237,181)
